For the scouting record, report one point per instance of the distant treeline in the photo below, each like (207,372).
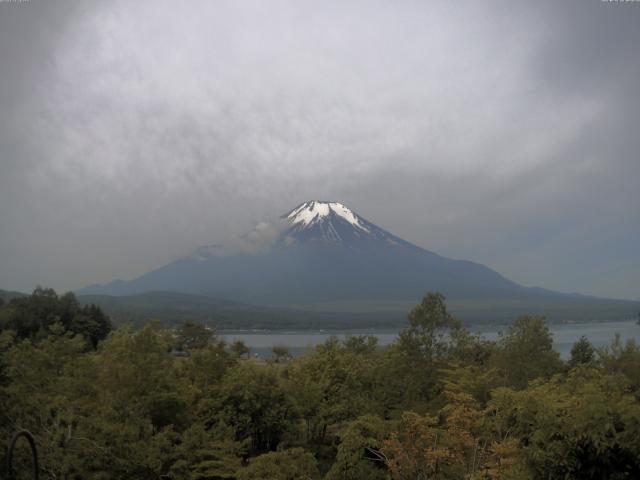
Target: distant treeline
(174,308)
(43,313)
(438,403)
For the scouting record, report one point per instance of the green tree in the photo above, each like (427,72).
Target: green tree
(582,426)
(193,336)
(361,344)
(469,368)
(47,391)
(291,464)
(334,385)
(35,316)
(201,454)
(137,379)
(526,352)
(205,367)
(429,325)
(92,323)
(582,353)
(281,353)
(622,358)
(412,366)
(240,349)
(359,452)
(252,401)
(477,381)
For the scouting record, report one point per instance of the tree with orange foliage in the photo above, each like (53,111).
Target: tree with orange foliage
(462,445)
(416,451)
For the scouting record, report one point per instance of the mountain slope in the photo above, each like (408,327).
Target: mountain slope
(8,295)
(323,252)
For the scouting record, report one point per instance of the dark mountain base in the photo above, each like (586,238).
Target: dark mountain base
(7,295)
(171,308)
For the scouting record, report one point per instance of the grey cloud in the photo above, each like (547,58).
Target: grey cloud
(259,240)
(503,132)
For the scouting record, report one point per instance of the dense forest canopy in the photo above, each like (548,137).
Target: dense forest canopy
(438,403)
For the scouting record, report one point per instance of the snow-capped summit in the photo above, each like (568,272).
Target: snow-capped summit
(315,211)
(334,223)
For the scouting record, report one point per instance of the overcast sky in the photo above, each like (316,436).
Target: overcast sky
(502,132)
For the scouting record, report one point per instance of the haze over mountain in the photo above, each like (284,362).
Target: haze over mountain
(324,255)
(521,154)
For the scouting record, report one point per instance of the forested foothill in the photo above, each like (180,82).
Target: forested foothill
(438,403)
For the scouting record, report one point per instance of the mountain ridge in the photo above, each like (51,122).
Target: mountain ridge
(324,252)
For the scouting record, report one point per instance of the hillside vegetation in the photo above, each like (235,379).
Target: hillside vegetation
(439,403)
(172,309)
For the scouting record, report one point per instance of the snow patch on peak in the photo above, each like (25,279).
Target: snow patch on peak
(306,213)
(315,211)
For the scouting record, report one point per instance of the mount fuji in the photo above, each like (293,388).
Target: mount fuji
(323,253)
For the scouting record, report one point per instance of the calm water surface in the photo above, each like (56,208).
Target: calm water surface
(600,334)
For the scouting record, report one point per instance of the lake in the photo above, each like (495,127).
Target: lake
(299,342)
